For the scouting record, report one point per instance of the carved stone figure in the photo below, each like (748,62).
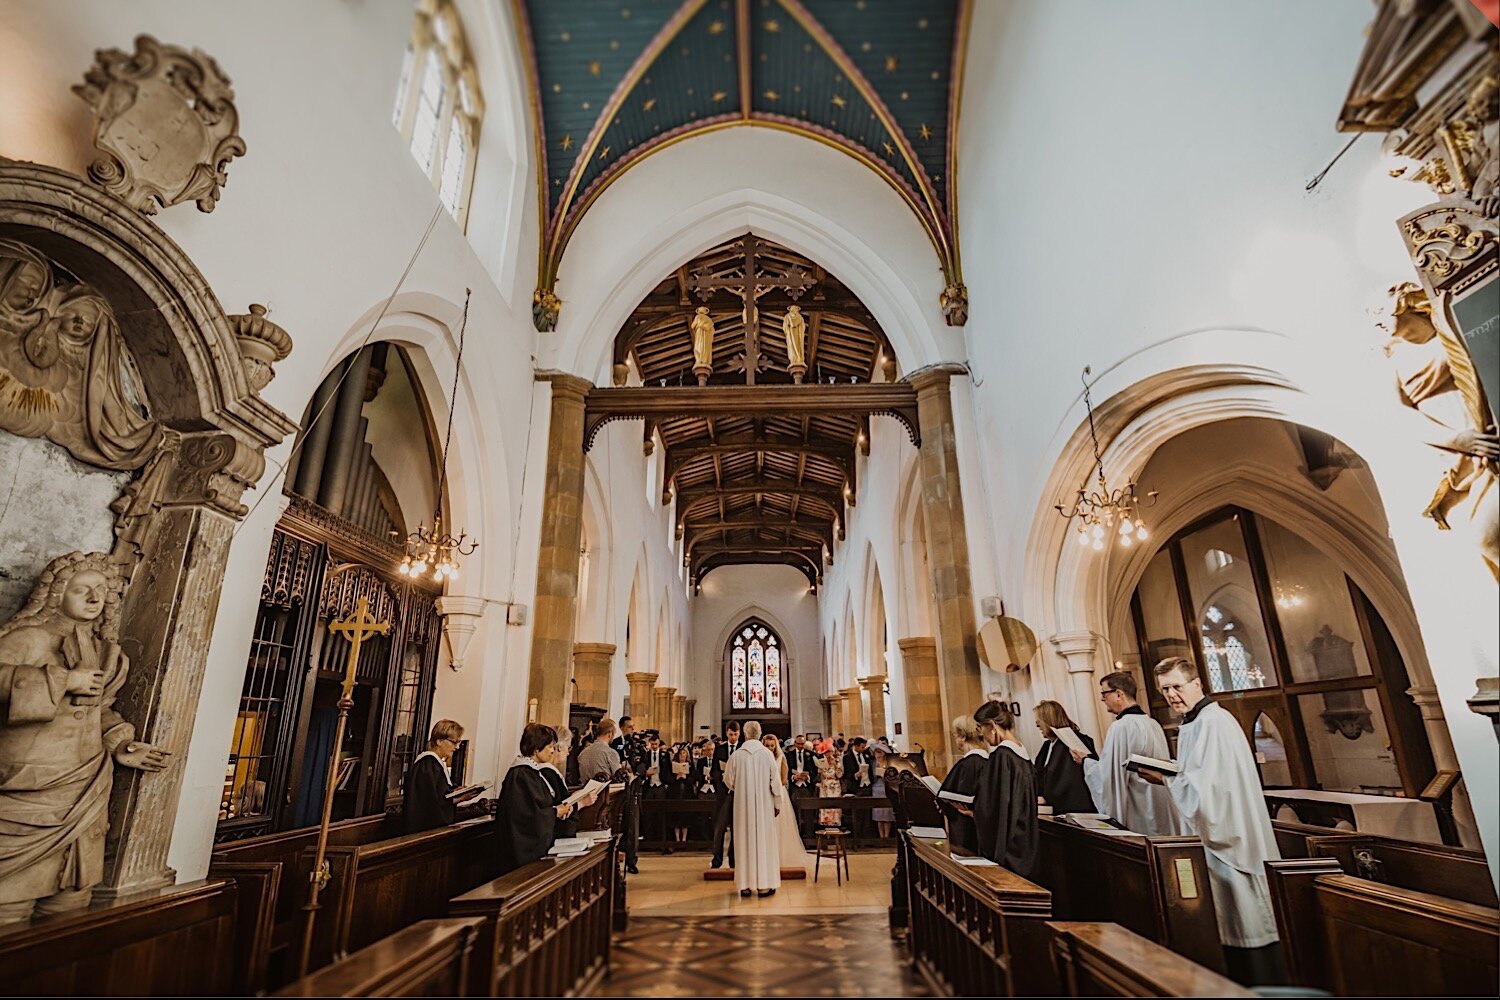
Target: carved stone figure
(794,327)
(955,305)
(165,125)
(65,371)
(702,328)
(1472,139)
(1465,456)
(545,308)
(60,670)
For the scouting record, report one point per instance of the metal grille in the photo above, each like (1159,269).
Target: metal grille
(258,728)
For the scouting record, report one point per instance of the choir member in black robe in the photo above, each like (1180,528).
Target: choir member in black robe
(1059,778)
(530,804)
(963,779)
(425,804)
(1005,803)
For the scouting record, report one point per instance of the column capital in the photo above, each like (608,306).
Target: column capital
(681,699)
(565,384)
(458,604)
(1078,648)
(594,648)
(666,691)
(934,378)
(873,682)
(919,645)
(640,677)
(852,691)
(1425,697)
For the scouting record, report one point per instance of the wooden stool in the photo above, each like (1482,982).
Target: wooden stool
(830,844)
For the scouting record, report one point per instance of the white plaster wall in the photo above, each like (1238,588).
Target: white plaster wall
(318,221)
(781,597)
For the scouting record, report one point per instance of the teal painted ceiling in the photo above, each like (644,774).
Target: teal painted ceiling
(616,79)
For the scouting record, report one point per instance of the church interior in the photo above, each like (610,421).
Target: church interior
(466,463)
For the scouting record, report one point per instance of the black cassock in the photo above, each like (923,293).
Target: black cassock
(565,827)
(1059,779)
(424,801)
(1005,811)
(527,816)
(963,778)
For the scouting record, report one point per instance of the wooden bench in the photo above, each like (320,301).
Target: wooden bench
(1363,938)
(177,941)
(545,928)
(272,889)
(914,804)
(1107,960)
(1155,886)
(428,959)
(376,889)
(975,931)
(1443,871)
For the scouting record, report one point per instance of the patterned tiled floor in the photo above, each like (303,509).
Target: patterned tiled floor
(767,955)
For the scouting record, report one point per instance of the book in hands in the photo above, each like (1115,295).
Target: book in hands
(932,783)
(1140,762)
(468,791)
(967,800)
(591,788)
(1070,740)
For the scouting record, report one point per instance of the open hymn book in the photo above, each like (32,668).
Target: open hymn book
(582,793)
(1140,762)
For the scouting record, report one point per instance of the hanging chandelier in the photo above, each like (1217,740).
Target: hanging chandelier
(435,550)
(1104,511)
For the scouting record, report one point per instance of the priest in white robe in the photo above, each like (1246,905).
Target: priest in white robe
(754,776)
(1135,803)
(1217,792)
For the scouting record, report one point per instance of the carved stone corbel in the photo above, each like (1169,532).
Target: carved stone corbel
(954,301)
(262,342)
(461,619)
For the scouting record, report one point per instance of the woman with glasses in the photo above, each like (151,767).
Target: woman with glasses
(425,801)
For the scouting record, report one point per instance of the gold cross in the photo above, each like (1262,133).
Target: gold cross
(356,630)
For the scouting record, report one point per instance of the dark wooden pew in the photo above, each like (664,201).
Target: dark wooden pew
(378,888)
(975,931)
(1357,937)
(1106,960)
(914,804)
(177,941)
(273,887)
(545,927)
(1155,886)
(1442,871)
(1295,840)
(428,959)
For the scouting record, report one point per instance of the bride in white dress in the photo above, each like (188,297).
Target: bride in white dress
(788,839)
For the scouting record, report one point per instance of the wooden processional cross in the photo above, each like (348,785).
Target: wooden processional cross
(356,629)
(750,286)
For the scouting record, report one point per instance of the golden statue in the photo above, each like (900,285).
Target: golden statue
(1465,456)
(702,327)
(795,329)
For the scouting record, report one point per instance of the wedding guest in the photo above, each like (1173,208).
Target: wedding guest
(1059,778)
(963,779)
(530,807)
(830,786)
(680,788)
(425,802)
(724,813)
(883,816)
(802,772)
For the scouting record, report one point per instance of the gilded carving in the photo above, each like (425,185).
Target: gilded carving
(1447,248)
(165,125)
(1435,378)
(702,328)
(61,670)
(954,301)
(794,329)
(545,308)
(65,371)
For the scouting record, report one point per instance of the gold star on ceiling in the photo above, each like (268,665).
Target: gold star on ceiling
(771,95)
(716,28)
(922,24)
(719,95)
(566,143)
(924,131)
(889,149)
(773,26)
(604,153)
(891,62)
(649,104)
(595,68)
(839,101)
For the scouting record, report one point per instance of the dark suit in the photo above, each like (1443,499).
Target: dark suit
(725,797)
(858,821)
(805,759)
(1060,781)
(662,761)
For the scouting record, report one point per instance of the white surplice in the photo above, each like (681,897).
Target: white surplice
(755,778)
(1218,796)
(1126,797)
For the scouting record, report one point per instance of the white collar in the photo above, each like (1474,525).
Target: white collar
(1018,748)
(976,752)
(447,771)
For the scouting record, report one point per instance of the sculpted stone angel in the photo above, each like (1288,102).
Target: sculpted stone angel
(61,668)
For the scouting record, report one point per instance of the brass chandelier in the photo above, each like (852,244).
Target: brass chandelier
(1104,511)
(435,550)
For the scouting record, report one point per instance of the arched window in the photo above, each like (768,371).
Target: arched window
(756,668)
(438,106)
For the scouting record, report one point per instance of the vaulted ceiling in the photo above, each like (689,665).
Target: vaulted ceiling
(752,488)
(615,80)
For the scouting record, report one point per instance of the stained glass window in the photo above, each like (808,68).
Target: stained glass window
(756,672)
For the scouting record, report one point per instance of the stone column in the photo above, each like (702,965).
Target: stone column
(947,545)
(556,611)
(679,717)
(924,703)
(854,720)
(661,710)
(640,697)
(591,663)
(1445,757)
(874,688)
(345,440)
(1080,648)
(689,716)
(833,712)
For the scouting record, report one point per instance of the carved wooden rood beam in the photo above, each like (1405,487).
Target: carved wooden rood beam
(893,399)
(750,286)
(809,568)
(696,531)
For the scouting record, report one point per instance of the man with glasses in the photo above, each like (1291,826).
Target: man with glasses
(1130,800)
